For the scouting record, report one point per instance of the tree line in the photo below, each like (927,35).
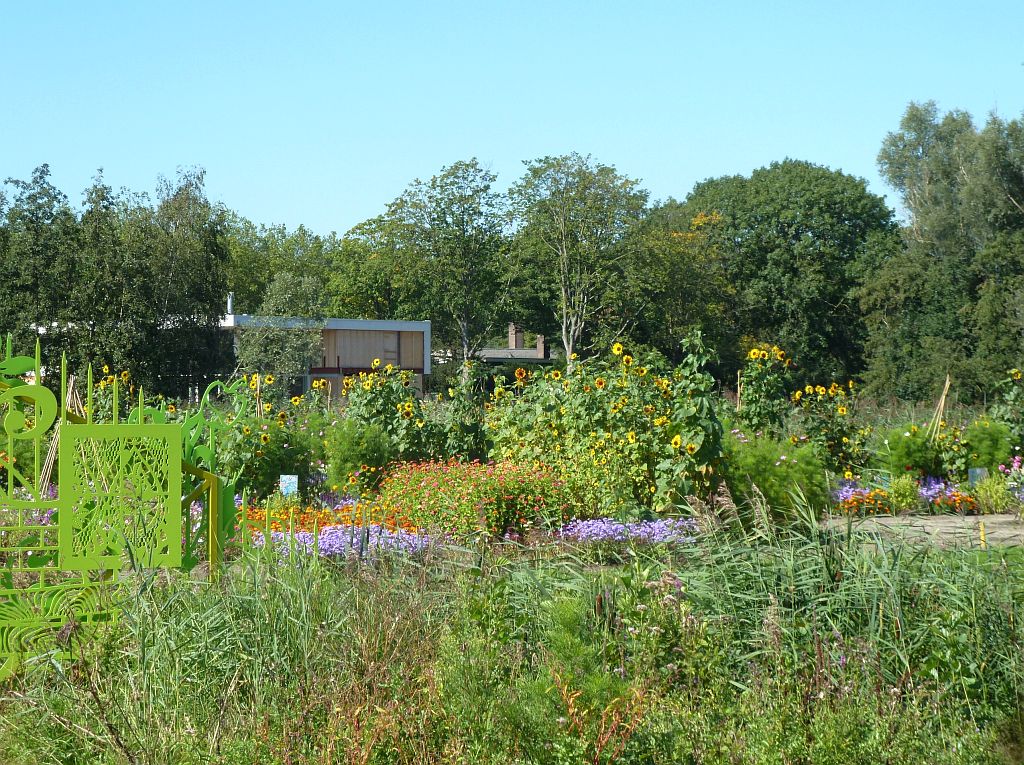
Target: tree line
(795,254)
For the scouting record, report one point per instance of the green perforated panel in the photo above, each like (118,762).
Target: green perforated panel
(120,496)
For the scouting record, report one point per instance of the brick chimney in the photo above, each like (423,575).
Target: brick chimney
(515,337)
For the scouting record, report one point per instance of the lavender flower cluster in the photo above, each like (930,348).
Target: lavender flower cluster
(346,541)
(931,489)
(665,531)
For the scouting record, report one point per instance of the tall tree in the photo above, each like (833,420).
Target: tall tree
(573,214)
(795,237)
(289,341)
(963,190)
(448,235)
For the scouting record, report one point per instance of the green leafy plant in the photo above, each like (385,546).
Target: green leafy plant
(352,447)
(907,449)
(993,495)
(776,469)
(763,404)
(828,419)
(625,435)
(903,494)
(991,443)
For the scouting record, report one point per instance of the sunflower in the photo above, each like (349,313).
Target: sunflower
(677,441)
(1015,374)
(375,363)
(848,475)
(246,431)
(841,410)
(754,354)
(171,409)
(264,438)
(617,349)
(268,380)
(296,400)
(691,449)
(556,375)
(267,407)
(798,395)
(520,374)
(106,369)
(808,389)
(125,376)
(599,383)
(763,355)
(627,360)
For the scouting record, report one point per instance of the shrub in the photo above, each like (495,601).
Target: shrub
(352,447)
(908,449)
(776,469)
(904,495)
(385,398)
(267,448)
(473,497)
(991,444)
(993,495)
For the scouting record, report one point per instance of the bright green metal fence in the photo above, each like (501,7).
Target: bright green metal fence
(124,498)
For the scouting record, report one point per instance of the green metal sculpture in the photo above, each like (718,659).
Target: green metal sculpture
(125,497)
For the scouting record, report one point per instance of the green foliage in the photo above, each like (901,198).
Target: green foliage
(908,449)
(625,436)
(446,234)
(795,237)
(268,448)
(352,447)
(81,276)
(280,346)
(991,443)
(829,420)
(762,393)
(777,470)
(800,644)
(993,495)
(903,494)
(948,301)
(385,398)
(574,215)
(1008,408)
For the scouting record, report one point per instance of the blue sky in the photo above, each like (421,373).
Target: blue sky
(320,113)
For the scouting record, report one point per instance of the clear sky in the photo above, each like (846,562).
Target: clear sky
(322,112)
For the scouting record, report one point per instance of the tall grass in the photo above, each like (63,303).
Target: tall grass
(799,644)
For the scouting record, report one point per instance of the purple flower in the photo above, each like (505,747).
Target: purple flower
(346,542)
(664,531)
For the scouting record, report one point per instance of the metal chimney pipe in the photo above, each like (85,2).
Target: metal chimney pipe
(231,304)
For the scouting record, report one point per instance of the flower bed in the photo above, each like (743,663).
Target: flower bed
(346,541)
(605,530)
(934,494)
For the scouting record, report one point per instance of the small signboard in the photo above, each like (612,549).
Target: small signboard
(976,474)
(289,485)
